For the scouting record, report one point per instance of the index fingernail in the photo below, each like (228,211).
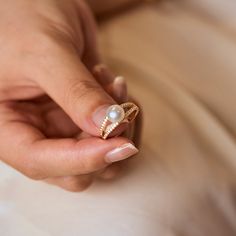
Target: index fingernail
(120,153)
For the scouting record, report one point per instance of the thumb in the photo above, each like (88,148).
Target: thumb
(67,81)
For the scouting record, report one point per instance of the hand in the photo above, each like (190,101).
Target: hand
(117,88)
(48,95)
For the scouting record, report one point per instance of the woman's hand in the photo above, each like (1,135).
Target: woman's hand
(48,95)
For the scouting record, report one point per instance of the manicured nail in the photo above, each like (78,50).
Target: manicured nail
(99,115)
(120,89)
(99,68)
(103,74)
(119,80)
(123,152)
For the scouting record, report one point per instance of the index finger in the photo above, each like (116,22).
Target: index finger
(26,149)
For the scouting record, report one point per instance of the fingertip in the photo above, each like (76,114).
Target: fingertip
(121,153)
(72,183)
(99,68)
(120,89)
(103,74)
(119,80)
(110,172)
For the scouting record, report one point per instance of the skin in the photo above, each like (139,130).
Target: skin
(49,92)
(106,6)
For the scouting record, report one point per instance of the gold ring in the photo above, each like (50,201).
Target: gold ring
(117,114)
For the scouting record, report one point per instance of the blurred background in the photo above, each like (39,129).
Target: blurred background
(179,58)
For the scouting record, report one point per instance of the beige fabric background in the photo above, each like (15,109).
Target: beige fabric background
(179,58)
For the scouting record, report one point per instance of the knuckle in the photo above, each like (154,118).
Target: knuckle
(80,90)
(110,173)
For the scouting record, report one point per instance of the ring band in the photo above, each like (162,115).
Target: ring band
(117,114)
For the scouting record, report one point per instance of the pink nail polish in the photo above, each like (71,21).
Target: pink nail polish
(99,115)
(99,68)
(120,153)
(120,89)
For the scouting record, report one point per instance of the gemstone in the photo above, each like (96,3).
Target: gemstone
(115,113)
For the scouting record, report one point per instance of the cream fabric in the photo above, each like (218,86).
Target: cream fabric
(179,60)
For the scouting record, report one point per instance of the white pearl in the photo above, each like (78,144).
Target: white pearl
(115,113)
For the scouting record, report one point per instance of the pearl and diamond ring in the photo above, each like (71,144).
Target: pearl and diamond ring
(117,114)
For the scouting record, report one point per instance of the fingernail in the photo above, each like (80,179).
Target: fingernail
(119,80)
(123,152)
(99,68)
(120,89)
(99,115)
